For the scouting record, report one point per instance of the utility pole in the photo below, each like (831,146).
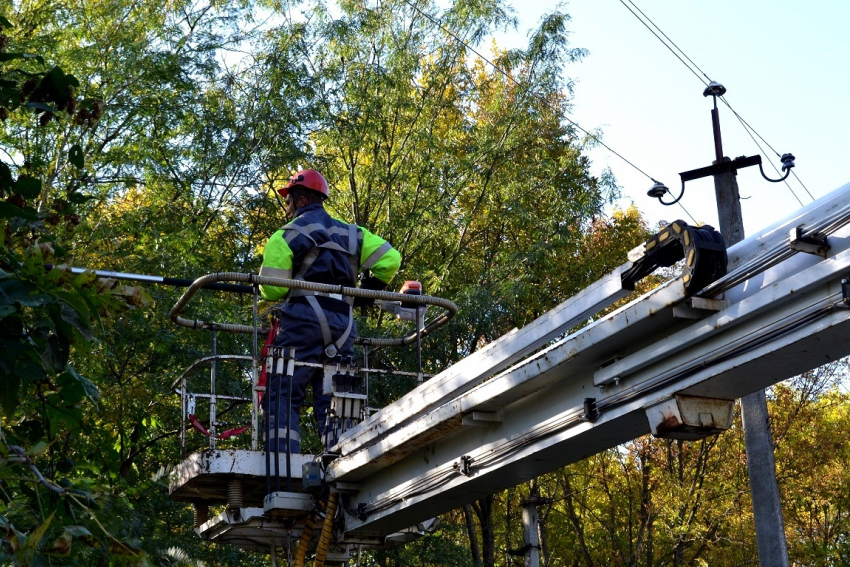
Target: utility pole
(531,528)
(761,466)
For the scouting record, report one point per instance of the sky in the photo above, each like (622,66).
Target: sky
(786,69)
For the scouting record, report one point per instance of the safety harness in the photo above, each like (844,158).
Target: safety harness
(354,239)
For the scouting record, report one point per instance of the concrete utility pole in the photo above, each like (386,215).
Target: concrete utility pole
(531,528)
(761,466)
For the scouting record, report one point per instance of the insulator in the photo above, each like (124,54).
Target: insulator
(787,161)
(235,495)
(202,514)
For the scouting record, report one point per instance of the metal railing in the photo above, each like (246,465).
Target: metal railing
(416,303)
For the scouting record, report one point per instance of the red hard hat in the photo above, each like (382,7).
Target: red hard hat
(309,179)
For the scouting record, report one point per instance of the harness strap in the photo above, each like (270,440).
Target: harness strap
(313,254)
(307,262)
(306,293)
(305,230)
(331,346)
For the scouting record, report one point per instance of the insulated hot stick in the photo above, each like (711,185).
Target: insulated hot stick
(164,280)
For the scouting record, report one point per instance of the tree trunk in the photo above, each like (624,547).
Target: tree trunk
(473,535)
(575,520)
(484,510)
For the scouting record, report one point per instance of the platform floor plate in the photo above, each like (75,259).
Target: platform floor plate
(203,477)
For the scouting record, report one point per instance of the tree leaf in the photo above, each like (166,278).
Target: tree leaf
(77,531)
(71,316)
(65,464)
(17,540)
(71,390)
(28,187)
(62,546)
(37,449)
(34,538)
(8,210)
(79,198)
(75,156)
(89,388)
(6,180)
(28,369)
(56,352)
(134,295)
(5,23)
(38,58)
(35,300)
(76,302)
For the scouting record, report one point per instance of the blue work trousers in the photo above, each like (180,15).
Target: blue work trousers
(299,328)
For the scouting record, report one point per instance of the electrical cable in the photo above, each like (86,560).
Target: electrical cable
(665,43)
(439,23)
(785,180)
(689,214)
(670,40)
(749,129)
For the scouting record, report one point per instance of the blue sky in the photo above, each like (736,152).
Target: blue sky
(785,65)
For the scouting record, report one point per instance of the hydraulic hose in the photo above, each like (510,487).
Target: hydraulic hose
(304,542)
(327,528)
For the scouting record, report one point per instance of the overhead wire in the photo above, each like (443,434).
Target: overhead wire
(623,2)
(747,127)
(771,163)
(438,22)
(750,130)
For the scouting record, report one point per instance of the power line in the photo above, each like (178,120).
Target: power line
(670,40)
(748,129)
(439,23)
(691,67)
(664,43)
(596,138)
(771,163)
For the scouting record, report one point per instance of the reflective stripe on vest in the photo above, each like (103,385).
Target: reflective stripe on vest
(269,272)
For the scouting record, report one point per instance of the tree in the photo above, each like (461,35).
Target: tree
(48,316)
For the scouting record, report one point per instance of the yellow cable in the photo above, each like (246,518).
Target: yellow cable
(304,541)
(327,529)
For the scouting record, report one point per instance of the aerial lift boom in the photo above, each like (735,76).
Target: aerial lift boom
(568,385)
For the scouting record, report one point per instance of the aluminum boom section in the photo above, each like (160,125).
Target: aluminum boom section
(780,317)
(493,358)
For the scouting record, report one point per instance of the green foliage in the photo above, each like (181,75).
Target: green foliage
(145,137)
(46,316)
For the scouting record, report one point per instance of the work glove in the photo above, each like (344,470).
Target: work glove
(369,282)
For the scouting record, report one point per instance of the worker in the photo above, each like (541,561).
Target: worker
(315,247)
